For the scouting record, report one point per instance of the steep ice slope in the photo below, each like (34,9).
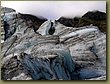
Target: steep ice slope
(87,46)
(69,54)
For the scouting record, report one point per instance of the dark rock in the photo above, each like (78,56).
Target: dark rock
(69,22)
(95,15)
(32,21)
(97,18)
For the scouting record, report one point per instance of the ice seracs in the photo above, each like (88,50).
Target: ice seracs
(64,53)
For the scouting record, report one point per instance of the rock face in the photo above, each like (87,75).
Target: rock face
(95,15)
(96,18)
(69,22)
(32,21)
(52,52)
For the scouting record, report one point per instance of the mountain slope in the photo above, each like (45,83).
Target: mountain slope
(96,18)
(70,53)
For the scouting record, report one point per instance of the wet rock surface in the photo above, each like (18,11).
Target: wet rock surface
(52,51)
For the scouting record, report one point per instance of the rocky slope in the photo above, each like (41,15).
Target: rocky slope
(96,18)
(49,50)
